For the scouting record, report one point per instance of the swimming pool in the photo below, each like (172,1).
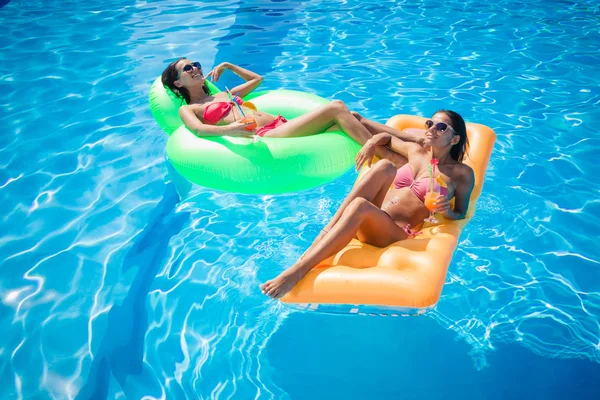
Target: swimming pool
(118,280)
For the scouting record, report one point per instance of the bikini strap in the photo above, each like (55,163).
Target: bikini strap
(411,233)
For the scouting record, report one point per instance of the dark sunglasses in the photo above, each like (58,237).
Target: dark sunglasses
(439,126)
(189,68)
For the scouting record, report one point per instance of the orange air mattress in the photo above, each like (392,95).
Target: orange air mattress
(405,278)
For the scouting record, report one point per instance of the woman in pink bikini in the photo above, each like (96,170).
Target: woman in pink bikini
(217,115)
(379,215)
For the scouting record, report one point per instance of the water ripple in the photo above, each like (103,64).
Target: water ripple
(119,280)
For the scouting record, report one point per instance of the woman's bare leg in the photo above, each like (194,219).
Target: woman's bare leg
(408,135)
(372,187)
(375,127)
(321,119)
(359,217)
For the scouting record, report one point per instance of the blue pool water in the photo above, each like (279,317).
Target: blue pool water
(120,280)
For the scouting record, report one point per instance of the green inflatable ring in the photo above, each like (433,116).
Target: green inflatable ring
(240,165)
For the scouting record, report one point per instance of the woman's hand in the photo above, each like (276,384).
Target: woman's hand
(366,154)
(238,129)
(216,72)
(442,204)
(368,150)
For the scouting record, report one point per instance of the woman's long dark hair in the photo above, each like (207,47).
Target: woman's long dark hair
(457,151)
(169,76)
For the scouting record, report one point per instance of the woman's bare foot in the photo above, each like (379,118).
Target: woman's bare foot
(280,286)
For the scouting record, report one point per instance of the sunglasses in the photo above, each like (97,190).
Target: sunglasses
(439,126)
(189,68)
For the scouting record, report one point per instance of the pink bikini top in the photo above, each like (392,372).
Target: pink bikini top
(214,112)
(406,178)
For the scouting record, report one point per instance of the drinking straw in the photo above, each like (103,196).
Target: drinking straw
(431,171)
(432,164)
(235,102)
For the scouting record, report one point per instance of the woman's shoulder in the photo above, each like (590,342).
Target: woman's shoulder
(463,173)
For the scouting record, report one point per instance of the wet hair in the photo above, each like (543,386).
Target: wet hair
(457,151)
(169,76)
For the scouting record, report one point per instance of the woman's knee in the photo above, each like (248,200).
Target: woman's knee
(359,206)
(384,168)
(338,107)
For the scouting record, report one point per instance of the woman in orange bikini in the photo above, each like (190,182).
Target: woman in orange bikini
(380,216)
(217,115)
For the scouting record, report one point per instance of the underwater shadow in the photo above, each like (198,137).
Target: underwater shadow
(122,348)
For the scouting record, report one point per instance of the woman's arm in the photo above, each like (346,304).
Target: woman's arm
(381,146)
(465,181)
(395,144)
(190,119)
(253,80)
(414,135)
(408,135)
